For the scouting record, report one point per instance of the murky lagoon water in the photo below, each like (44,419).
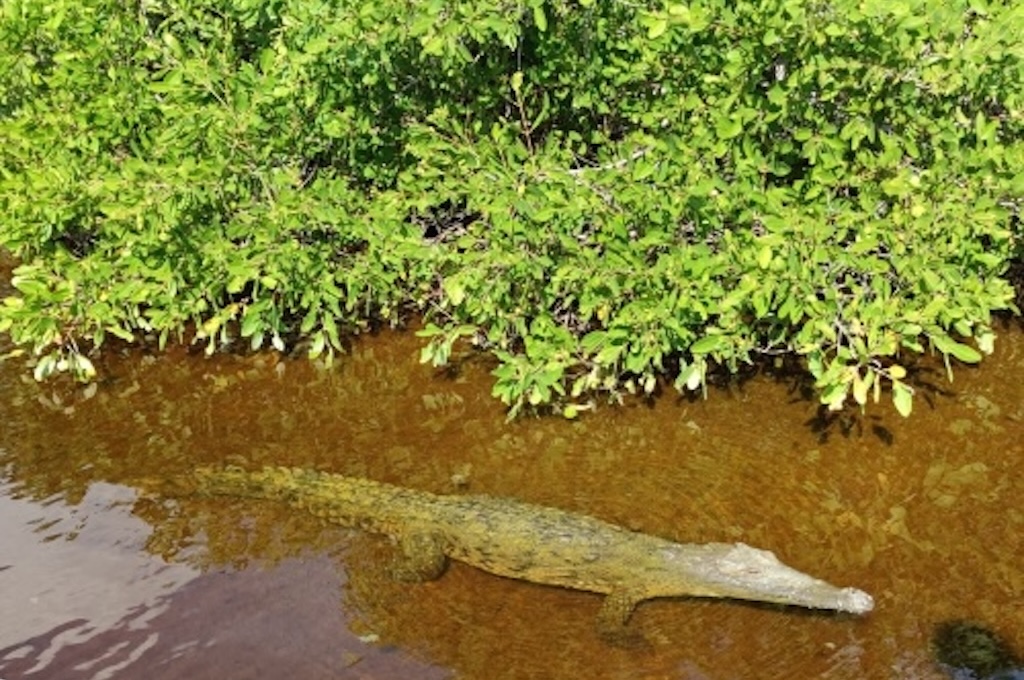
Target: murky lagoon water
(103,577)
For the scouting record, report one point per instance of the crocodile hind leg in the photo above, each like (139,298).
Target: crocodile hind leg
(422,558)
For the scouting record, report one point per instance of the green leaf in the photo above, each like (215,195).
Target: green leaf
(947,345)
(45,367)
(861,385)
(593,340)
(902,398)
(429,331)
(251,323)
(657,27)
(727,127)
(125,335)
(708,344)
(679,14)
(433,45)
(691,376)
(82,367)
(834,395)
(539,18)
(986,341)
(456,291)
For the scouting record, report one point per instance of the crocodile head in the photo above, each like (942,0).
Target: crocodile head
(741,572)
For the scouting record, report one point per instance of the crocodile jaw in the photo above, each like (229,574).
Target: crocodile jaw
(741,572)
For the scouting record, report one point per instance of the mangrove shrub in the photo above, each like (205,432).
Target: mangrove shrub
(603,195)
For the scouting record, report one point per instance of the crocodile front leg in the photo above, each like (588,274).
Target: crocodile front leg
(422,558)
(618,606)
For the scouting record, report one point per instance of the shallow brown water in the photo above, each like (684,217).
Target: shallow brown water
(100,577)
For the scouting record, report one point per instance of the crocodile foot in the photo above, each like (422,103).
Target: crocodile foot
(422,558)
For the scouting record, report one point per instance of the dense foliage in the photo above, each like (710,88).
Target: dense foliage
(598,193)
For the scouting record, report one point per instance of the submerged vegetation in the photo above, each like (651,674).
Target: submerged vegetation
(600,194)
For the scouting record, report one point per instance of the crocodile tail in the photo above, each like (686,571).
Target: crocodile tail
(268,483)
(167,487)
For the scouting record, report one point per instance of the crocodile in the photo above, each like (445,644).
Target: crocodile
(535,543)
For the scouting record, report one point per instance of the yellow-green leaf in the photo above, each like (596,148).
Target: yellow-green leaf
(709,343)
(986,341)
(861,385)
(902,398)
(948,345)
(539,18)
(657,28)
